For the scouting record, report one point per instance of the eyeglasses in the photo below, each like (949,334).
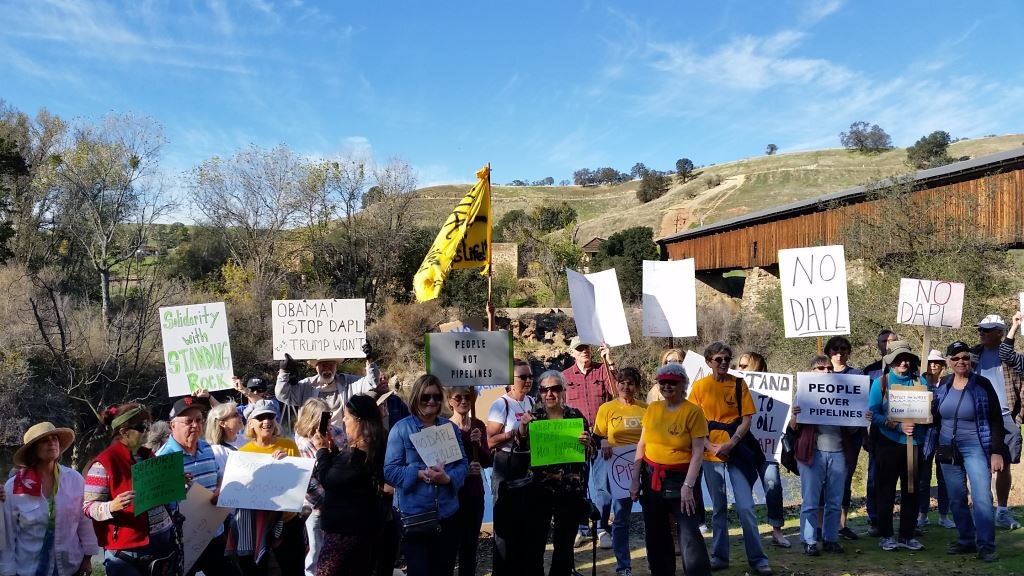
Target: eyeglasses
(197,421)
(899,361)
(820,368)
(426,398)
(551,389)
(263,417)
(960,359)
(459,398)
(721,359)
(525,377)
(258,390)
(840,349)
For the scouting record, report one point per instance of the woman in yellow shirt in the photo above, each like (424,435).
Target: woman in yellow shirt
(728,407)
(668,465)
(260,531)
(618,423)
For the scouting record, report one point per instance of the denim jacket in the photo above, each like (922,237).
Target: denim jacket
(402,462)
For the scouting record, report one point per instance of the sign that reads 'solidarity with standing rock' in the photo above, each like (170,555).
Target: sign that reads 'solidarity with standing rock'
(814,296)
(310,329)
(470,358)
(197,352)
(832,399)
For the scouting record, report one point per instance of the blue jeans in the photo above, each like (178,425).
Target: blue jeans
(160,544)
(621,510)
(869,488)
(974,524)
(924,487)
(717,474)
(600,493)
(772,484)
(826,474)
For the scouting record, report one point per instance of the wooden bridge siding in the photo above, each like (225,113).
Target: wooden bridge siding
(994,205)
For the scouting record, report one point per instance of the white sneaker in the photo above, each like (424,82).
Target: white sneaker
(581,539)
(604,540)
(887,544)
(704,529)
(1006,520)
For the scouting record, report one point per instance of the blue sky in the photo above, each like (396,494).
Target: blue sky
(537,88)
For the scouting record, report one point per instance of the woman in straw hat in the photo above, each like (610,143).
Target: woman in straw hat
(46,530)
(109,498)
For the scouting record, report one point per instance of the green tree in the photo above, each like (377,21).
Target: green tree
(553,217)
(510,220)
(684,167)
(12,167)
(652,185)
(771,149)
(638,170)
(930,151)
(865,137)
(625,251)
(373,195)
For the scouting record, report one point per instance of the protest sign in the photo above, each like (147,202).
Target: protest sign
(259,482)
(437,444)
(669,298)
(930,303)
(695,368)
(772,394)
(556,442)
(471,325)
(832,399)
(597,308)
(470,358)
(158,481)
(311,329)
(814,299)
(202,520)
(197,352)
(620,470)
(910,404)
(1021,307)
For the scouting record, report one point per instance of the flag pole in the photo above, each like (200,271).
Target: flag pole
(489,309)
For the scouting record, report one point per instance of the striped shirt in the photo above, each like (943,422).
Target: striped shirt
(97,500)
(202,465)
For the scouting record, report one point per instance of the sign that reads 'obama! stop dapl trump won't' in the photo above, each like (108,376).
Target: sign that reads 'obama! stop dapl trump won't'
(814,299)
(311,329)
(197,352)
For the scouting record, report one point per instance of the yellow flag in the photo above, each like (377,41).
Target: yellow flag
(463,242)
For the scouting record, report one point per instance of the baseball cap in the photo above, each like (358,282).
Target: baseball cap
(992,321)
(671,371)
(187,403)
(956,348)
(575,343)
(261,407)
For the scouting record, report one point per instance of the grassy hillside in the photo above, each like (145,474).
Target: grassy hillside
(748,185)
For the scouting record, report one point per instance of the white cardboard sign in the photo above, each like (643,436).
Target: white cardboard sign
(814,297)
(311,329)
(910,405)
(832,399)
(470,358)
(930,303)
(437,444)
(669,298)
(259,482)
(772,394)
(620,470)
(202,520)
(597,308)
(197,350)
(1021,308)
(695,368)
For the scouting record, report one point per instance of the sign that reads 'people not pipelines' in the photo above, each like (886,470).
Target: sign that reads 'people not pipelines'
(930,303)
(814,296)
(772,394)
(158,481)
(470,358)
(197,351)
(311,329)
(437,444)
(556,442)
(832,399)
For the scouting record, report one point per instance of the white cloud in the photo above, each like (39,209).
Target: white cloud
(818,10)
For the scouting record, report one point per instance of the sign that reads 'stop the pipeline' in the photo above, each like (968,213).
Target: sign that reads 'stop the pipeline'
(470,358)
(312,329)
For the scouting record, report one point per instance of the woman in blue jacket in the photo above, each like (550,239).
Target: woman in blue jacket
(424,488)
(967,438)
(891,441)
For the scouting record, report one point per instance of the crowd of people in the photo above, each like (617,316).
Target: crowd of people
(373,499)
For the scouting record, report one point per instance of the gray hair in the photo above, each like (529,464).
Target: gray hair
(158,434)
(552,374)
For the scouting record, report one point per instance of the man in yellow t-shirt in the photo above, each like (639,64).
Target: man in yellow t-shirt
(729,421)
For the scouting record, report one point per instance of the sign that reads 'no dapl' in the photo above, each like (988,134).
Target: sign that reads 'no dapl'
(814,300)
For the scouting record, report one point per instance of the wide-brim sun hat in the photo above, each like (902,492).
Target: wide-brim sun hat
(38,432)
(935,356)
(899,348)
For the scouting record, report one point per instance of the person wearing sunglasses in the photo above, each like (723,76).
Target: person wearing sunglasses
(891,450)
(728,458)
(109,497)
(424,488)
(932,378)
(838,349)
(967,439)
(559,491)
(471,497)
(618,423)
(1007,383)
(666,477)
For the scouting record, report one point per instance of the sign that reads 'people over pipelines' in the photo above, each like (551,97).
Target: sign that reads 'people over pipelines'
(197,352)
(832,399)
(470,358)
(814,300)
(310,329)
